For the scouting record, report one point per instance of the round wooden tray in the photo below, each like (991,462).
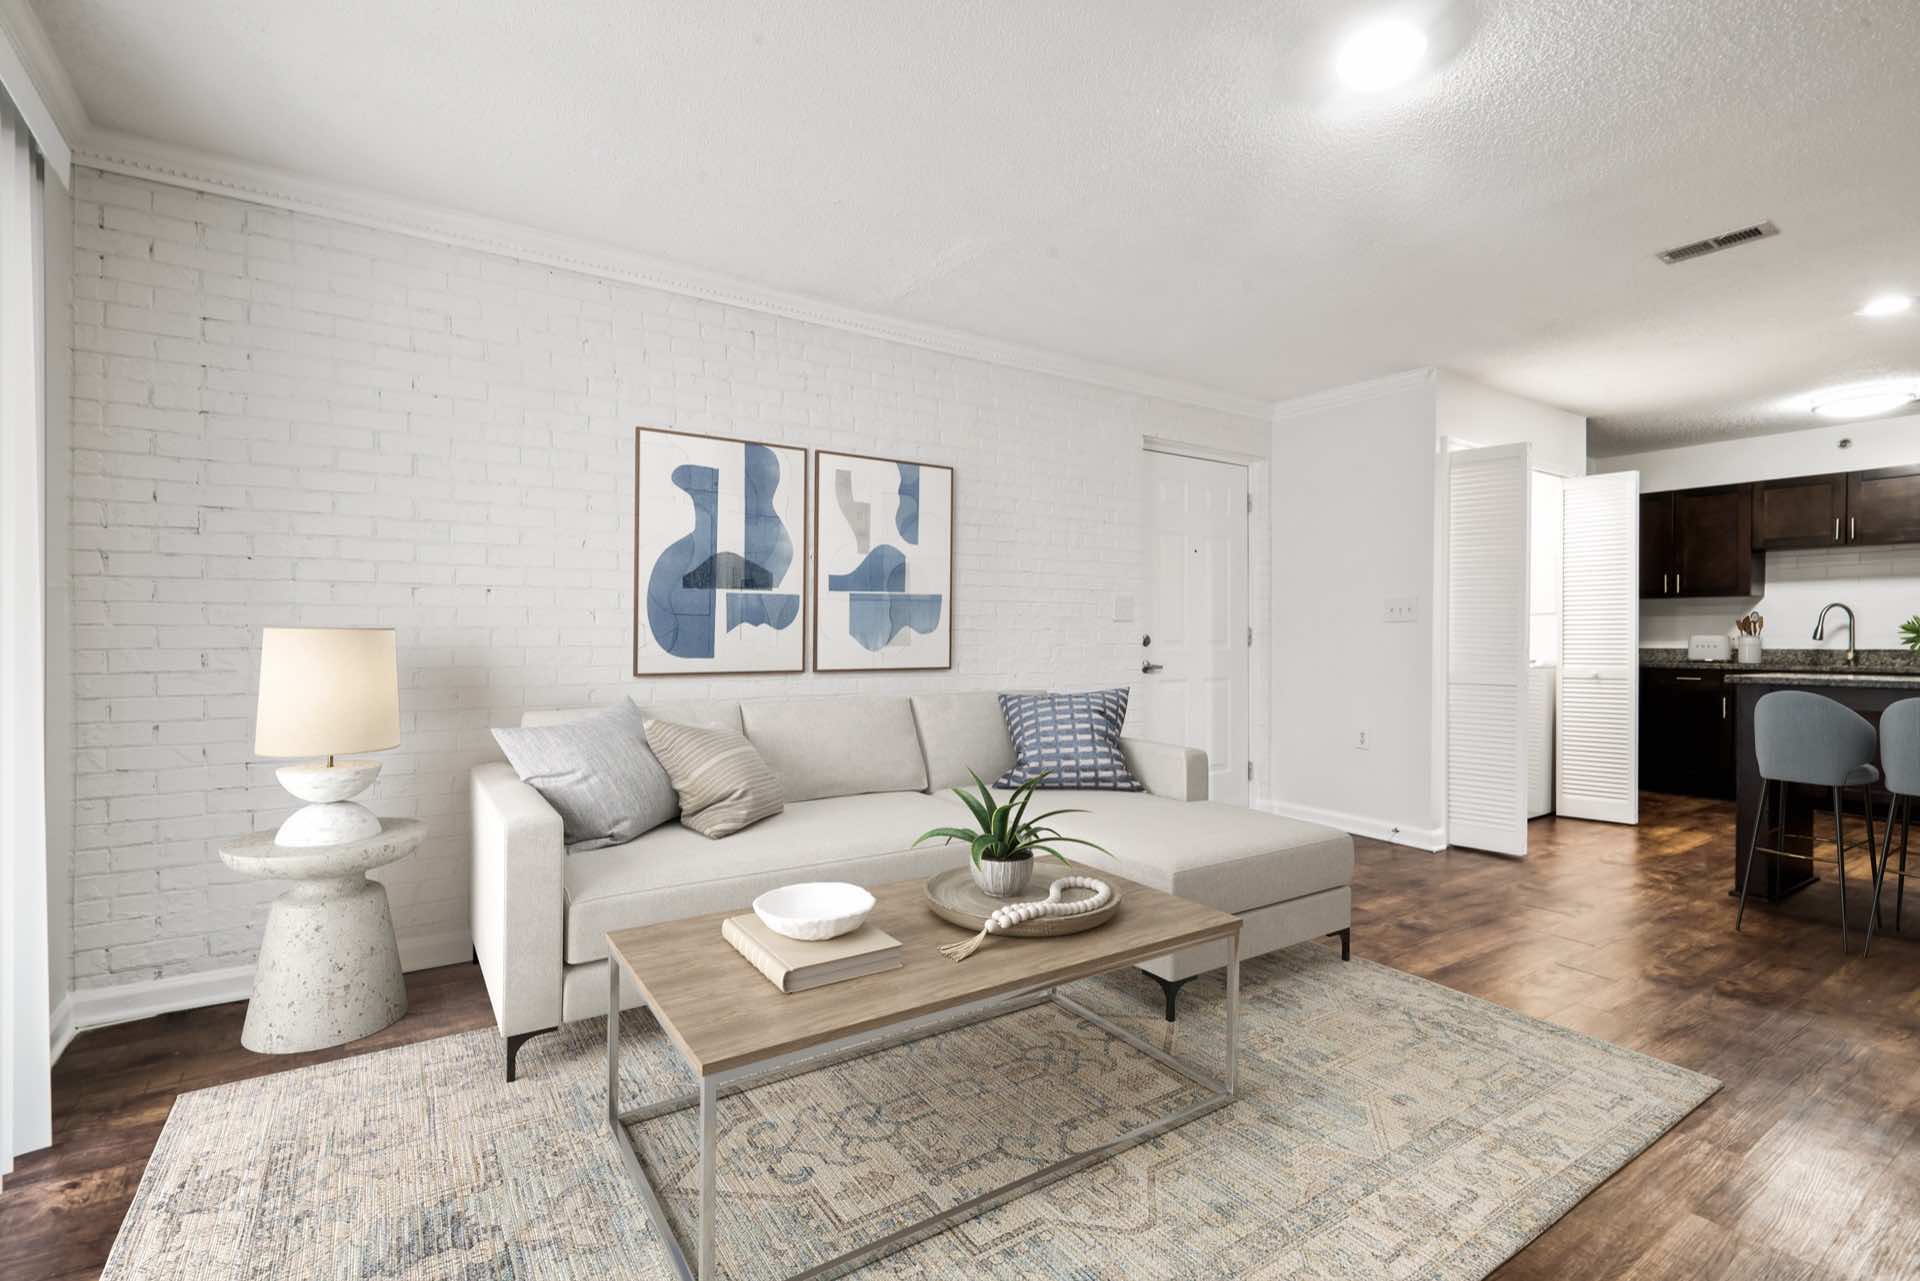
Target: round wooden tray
(953,897)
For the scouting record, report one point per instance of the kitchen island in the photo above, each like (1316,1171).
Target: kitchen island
(1863,688)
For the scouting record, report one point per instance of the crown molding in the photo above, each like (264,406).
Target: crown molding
(1354,393)
(40,86)
(182,167)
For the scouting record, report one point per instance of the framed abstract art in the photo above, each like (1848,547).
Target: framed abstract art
(882,564)
(719,528)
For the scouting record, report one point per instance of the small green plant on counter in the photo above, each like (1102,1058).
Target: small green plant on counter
(1910,632)
(1005,834)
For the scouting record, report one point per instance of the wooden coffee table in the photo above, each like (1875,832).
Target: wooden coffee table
(736,1030)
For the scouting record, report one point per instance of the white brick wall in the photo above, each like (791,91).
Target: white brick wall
(280,419)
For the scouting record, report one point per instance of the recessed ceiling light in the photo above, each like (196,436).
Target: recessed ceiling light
(1886,305)
(1380,55)
(1862,402)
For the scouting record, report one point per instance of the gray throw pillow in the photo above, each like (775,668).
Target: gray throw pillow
(1073,738)
(597,772)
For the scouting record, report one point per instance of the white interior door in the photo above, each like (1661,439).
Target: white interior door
(1597,765)
(1488,494)
(1194,687)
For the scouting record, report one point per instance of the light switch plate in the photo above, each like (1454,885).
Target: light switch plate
(1403,609)
(1123,607)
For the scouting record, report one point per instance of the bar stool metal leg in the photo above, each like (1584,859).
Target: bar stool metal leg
(1753,846)
(1840,858)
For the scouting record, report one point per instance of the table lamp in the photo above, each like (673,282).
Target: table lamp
(327,691)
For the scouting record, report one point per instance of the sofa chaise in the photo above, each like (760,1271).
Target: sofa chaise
(864,776)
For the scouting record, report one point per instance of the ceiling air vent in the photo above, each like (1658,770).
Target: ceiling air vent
(1714,244)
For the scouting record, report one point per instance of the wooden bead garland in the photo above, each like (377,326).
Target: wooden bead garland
(1054,904)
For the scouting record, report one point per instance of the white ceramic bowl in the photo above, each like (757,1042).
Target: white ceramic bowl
(814,909)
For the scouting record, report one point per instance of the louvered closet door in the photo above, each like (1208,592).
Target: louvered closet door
(1487,546)
(1597,708)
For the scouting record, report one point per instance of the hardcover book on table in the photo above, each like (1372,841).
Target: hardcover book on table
(796,965)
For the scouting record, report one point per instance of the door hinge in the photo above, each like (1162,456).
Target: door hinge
(1249,771)
(1249,502)
(1249,638)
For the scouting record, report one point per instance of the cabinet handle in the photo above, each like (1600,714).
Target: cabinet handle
(1663,584)
(1836,529)
(1676,582)
(1723,707)
(1850,530)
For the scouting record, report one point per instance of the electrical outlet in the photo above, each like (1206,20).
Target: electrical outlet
(1362,741)
(1402,609)
(1123,607)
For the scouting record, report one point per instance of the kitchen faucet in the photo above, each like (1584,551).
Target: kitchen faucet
(1820,628)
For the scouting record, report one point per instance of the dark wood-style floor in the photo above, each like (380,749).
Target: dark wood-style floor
(1806,1165)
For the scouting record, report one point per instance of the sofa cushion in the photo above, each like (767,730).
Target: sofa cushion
(708,715)
(672,873)
(961,732)
(724,784)
(598,772)
(1222,855)
(837,746)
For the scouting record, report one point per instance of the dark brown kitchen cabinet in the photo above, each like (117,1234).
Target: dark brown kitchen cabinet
(1883,506)
(1699,542)
(1686,733)
(1804,511)
(1656,544)
(1713,542)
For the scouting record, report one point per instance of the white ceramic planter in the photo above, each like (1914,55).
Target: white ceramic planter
(1003,878)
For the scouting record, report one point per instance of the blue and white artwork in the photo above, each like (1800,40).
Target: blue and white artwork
(718,527)
(883,564)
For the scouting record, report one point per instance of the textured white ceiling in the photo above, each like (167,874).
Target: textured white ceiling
(1161,185)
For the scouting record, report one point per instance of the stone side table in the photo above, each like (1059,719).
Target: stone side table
(329,970)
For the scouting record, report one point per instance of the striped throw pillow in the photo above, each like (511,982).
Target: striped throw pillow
(724,784)
(1074,738)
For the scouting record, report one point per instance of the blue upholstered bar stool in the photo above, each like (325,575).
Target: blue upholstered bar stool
(1801,737)
(1900,757)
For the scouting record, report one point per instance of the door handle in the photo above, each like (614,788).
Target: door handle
(1148,669)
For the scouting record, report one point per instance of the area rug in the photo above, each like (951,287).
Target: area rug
(1387,1128)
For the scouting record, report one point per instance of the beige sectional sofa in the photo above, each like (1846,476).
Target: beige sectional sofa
(863,775)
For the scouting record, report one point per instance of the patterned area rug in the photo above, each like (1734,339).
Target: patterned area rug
(1387,1128)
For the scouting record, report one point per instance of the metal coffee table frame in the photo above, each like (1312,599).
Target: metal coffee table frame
(1221,1091)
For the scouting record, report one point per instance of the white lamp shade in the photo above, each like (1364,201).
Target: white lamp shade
(327,691)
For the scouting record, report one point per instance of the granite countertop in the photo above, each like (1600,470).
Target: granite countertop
(1873,665)
(1761,676)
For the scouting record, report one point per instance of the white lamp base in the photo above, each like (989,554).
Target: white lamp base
(332,819)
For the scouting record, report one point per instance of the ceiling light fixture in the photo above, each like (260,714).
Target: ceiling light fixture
(1862,402)
(1380,55)
(1886,305)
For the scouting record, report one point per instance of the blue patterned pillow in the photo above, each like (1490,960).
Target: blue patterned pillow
(1074,737)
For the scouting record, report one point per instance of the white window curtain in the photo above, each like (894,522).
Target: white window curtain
(25,1066)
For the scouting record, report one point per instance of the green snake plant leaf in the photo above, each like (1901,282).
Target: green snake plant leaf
(980,816)
(951,833)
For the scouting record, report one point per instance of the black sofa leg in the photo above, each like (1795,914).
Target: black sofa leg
(514,1043)
(1171,989)
(1346,943)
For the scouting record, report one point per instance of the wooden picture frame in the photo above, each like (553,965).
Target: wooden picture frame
(874,558)
(712,597)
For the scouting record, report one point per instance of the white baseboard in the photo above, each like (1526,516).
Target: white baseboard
(1419,838)
(101,1006)
(60,1028)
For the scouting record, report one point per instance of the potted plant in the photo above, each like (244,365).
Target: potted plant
(1004,843)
